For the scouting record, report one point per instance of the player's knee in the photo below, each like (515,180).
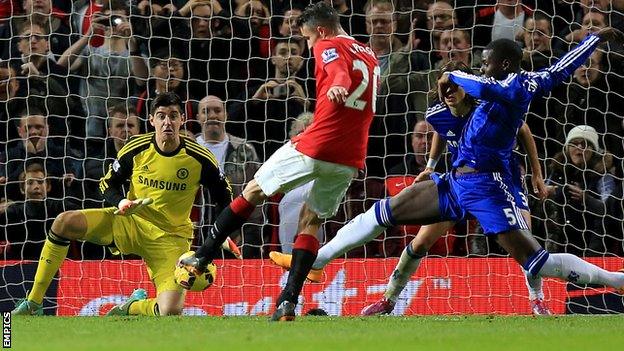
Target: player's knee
(308,218)
(68,225)
(419,247)
(169,309)
(253,193)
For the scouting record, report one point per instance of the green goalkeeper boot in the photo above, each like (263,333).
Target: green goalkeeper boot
(27,308)
(122,310)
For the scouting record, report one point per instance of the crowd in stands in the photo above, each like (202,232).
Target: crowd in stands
(77,79)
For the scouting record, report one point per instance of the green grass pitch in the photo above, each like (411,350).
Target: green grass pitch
(319,333)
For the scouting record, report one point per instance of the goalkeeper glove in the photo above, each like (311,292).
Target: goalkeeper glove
(127,207)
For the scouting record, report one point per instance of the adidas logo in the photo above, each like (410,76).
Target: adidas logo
(450,133)
(145,168)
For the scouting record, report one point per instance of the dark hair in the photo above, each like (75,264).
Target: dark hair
(166,54)
(117,5)
(319,14)
(37,22)
(450,67)
(506,49)
(289,41)
(539,16)
(126,110)
(166,99)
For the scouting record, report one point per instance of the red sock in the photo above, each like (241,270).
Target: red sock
(306,242)
(241,207)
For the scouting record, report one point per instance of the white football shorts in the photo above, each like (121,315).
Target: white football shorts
(288,169)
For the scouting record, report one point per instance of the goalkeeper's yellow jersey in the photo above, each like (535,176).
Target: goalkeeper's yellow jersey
(172,180)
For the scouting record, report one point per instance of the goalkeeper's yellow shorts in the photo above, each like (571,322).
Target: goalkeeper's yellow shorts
(134,235)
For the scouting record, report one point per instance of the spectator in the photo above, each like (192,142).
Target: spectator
(17,92)
(537,37)
(9,104)
(251,36)
(25,223)
(538,53)
(592,22)
(396,114)
(503,20)
(238,160)
(579,187)
(595,99)
(381,26)
(288,28)
(209,38)
(267,115)
(106,68)
(34,59)
(40,11)
(440,17)
(60,161)
(416,161)
(292,202)
(123,123)
(611,9)
(167,73)
(289,31)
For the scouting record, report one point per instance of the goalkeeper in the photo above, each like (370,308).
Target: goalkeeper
(165,172)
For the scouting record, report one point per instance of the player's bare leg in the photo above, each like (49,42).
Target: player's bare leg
(170,302)
(304,253)
(534,284)
(408,263)
(228,221)
(70,225)
(416,204)
(523,247)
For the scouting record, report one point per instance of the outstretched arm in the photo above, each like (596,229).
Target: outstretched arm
(525,138)
(545,80)
(507,90)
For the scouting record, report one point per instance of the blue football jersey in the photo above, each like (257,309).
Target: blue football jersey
(489,136)
(448,126)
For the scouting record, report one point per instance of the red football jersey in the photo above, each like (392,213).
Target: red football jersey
(339,132)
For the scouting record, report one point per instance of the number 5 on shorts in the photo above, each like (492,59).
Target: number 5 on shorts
(511,216)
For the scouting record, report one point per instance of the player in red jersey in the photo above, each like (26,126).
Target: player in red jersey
(328,152)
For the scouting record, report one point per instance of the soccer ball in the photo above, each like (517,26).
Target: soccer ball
(192,282)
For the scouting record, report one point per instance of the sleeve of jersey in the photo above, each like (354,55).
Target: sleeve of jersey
(334,64)
(111,186)
(561,70)
(507,90)
(216,183)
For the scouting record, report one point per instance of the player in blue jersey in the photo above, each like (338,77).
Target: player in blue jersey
(481,180)
(448,120)
(481,183)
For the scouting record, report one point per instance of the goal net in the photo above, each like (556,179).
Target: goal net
(77,80)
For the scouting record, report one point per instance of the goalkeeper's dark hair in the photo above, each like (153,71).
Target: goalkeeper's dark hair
(166,99)
(450,67)
(506,49)
(319,14)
